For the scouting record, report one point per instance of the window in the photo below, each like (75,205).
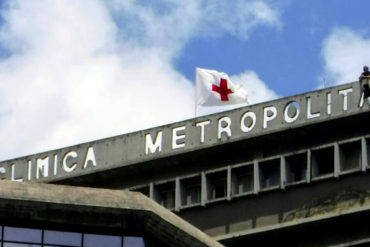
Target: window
(217,185)
(62,238)
(350,156)
(28,237)
(22,235)
(323,161)
(296,168)
(93,240)
(164,194)
(242,180)
(269,173)
(190,191)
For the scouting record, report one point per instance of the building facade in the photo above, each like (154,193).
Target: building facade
(292,171)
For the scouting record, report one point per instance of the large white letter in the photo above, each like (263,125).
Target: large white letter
(55,164)
(67,168)
(288,118)
(152,147)
(12,166)
(345,93)
(225,128)
(176,137)
(328,100)
(266,117)
(202,129)
(29,170)
(250,115)
(90,156)
(309,114)
(43,165)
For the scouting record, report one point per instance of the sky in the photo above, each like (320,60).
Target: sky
(73,71)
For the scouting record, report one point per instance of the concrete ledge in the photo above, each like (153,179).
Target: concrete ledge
(36,204)
(332,224)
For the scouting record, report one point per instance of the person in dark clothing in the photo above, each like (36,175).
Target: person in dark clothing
(365,74)
(365,87)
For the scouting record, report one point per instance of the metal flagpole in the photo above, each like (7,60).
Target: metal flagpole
(196,94)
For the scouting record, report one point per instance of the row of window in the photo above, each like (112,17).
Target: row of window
(261,175)
(27,237)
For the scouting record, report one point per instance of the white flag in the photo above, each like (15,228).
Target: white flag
(215,88)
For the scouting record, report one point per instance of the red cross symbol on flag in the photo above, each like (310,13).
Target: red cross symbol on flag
(223,90)
(214,88)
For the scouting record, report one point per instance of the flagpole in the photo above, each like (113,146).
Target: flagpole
(196,94)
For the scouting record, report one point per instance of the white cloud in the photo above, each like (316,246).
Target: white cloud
(257,90)
(76,73)
(239,17)
(171,23)
(345,52)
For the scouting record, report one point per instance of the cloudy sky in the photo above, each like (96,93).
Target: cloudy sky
(73,71)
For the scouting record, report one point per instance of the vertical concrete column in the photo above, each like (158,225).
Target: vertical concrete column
(309,166)
(151,191)
(178,194)
(364,155)
(204,189)
(228,183)
(336,160)
(282,172)
(256,177)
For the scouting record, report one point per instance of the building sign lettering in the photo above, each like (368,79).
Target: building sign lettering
(187,136)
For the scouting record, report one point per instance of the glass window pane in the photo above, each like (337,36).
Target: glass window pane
(133,242)
(20,245)
(63,238)
(1,232)
(22,234)
(93,240)
(57,245)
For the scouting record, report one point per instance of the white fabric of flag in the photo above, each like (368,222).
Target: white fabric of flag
(215,88)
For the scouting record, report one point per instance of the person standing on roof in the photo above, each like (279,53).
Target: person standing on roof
(365,86)
(365,74)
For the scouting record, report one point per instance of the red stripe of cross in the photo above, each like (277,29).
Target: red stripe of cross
(222,90)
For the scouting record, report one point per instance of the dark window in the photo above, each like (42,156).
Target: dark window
(350,156)
(165,194)
(296,168)
(323,161)
(143,190)
(191,191)
(269,173)
(242,179)
(217,185)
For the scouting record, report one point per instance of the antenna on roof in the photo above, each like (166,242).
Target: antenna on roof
(324,82)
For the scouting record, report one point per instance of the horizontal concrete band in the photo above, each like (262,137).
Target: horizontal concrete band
(66,206)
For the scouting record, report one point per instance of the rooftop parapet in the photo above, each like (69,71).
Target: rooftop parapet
(189,135)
